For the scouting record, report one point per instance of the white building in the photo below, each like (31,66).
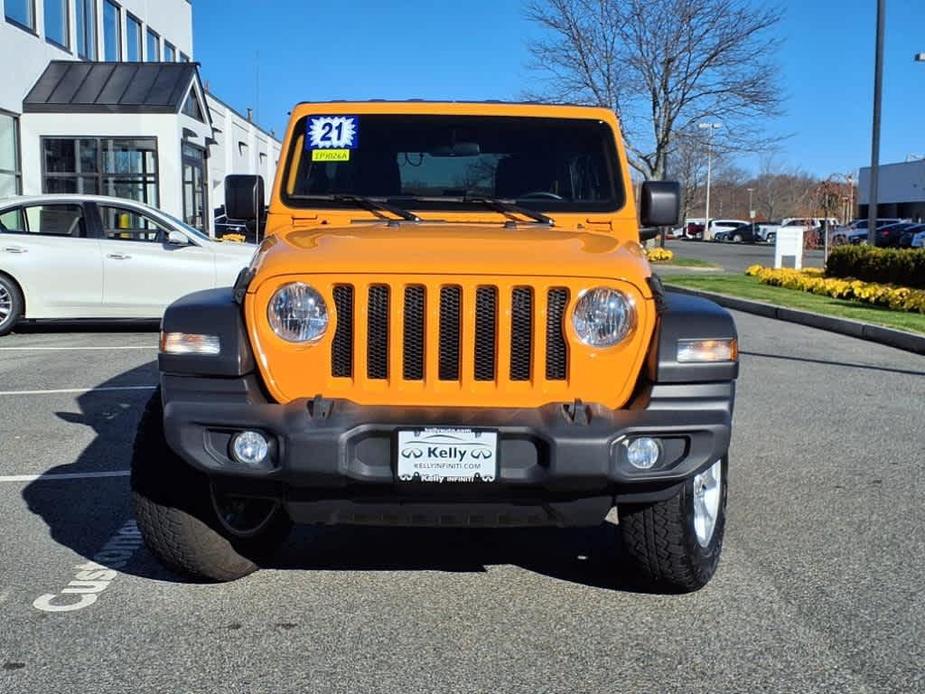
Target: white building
(101,96)
(901,190)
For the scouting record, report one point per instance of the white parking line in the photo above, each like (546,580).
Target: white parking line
(74,349)
(76,391)
(65,476)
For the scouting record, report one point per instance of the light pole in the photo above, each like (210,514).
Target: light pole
(710,127)
(874,197)
(751,207)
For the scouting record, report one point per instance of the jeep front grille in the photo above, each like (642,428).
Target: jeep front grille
(456,334)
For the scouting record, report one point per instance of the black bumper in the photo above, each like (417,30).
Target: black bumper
(333,461)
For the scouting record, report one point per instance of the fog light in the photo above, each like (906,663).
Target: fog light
(250,448)
(643,453)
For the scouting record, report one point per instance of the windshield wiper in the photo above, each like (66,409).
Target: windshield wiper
(377,207)
(510,210)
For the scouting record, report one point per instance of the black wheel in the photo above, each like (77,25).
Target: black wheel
(676,544)
(11,305)
(738,238)
(192,529)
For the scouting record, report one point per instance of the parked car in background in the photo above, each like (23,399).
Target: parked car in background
(84,256)
(720,225)
(856,232)
(908,236)
(744,233)
(891,235)
(807,224)
(918,239)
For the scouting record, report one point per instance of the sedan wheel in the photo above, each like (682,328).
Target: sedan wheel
(10,305)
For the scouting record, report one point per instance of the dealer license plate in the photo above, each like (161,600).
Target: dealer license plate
(447,455)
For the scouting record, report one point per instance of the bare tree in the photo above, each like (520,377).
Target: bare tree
(663,66)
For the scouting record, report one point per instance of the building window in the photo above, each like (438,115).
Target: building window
(192,107)
(154,47)
(170,53)
(184,58)
(112,32)
(120,167)
(132,38)
(21,13)
(10,171)
(57,30)
(86,29)
(194,186)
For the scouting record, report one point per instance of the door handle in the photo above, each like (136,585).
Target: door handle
(15,249)
(119,256)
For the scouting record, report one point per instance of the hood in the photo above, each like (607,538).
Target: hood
(454,249)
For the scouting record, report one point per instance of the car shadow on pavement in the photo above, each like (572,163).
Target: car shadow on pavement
(87,325)
(828,362)
(84,515)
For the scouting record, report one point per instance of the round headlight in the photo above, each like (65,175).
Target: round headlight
(297,313)
(603,317)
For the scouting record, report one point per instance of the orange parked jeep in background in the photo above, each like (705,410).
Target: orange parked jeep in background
(451,322)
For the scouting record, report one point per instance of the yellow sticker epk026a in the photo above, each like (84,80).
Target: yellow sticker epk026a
(330,155)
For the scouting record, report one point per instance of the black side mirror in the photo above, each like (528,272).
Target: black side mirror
(660,204)
(245,197)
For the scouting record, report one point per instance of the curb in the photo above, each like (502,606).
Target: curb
(899,339)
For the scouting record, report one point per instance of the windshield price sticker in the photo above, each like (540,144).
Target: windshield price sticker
(331,138)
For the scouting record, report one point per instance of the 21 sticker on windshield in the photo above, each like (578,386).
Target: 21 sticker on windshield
(331,138)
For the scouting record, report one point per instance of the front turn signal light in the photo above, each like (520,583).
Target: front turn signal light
(188,343)
(707,351)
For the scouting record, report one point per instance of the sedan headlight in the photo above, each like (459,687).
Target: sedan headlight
(603,317)
(297,313)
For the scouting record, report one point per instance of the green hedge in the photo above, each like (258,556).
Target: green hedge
(885,265)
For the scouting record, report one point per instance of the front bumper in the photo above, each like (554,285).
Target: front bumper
(333,460)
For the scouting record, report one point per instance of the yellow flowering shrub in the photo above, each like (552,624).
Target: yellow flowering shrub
(233,238)
(659,255)
(815,282)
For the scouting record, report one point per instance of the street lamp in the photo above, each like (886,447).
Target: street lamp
(874,201)
(920,57)
(710,127)
(751,207)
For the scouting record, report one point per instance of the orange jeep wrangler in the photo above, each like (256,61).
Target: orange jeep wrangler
(451,322)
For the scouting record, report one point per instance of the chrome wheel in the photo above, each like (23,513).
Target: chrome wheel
(708,489)
(6,304)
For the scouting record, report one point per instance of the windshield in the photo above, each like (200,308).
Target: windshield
(437,162)
(192,231)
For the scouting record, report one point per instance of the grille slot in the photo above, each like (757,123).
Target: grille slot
(521,333)
(377,341)
(342,346)
(556,346)
(414,340)
(486,334)
(450,329)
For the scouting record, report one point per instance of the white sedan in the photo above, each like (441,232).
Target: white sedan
(83,256)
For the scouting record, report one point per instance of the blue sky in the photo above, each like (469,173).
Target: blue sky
(477,49)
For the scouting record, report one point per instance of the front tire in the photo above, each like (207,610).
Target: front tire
(11,305)
(181,519)
(676,544)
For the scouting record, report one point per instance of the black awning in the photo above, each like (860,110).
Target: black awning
(81,87)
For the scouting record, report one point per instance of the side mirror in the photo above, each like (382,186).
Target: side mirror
(177,238)
(660,204)
(245,197)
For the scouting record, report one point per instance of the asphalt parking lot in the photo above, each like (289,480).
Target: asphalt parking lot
(819,590)
(735,257)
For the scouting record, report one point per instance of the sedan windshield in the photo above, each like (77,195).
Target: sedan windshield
(454,163)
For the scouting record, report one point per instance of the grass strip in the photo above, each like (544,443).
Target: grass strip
(749,288)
